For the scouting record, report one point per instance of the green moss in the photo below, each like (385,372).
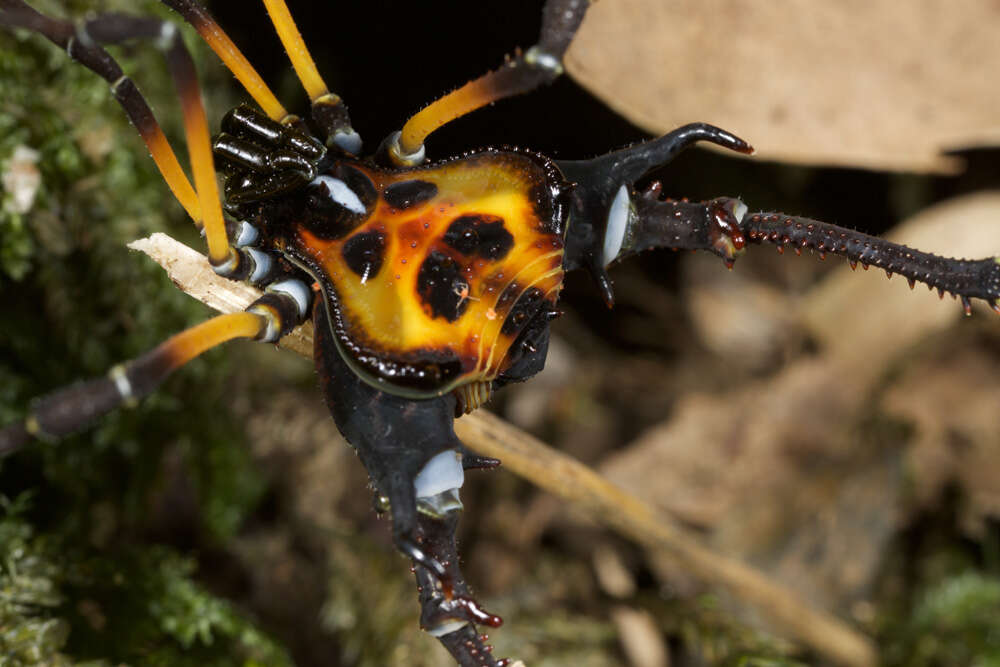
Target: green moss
(144,608)
(938,598)
(30,631)
(955,621)
(76,302)
(139,607)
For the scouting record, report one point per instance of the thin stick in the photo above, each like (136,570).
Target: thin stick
(569,479)
(607,503)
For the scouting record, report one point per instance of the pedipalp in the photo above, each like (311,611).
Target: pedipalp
(615,221)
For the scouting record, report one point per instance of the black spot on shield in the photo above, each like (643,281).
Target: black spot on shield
(525,308)
(364,253)
(440,284)
(479,235)
(406,194)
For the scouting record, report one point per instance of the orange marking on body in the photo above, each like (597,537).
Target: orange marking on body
(386,314)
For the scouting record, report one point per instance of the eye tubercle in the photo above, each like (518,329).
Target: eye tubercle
(341,193)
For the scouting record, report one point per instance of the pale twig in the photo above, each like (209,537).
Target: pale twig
(569,479)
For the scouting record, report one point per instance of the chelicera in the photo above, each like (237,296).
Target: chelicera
(431,283)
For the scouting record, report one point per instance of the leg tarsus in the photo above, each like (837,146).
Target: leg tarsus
(452,619)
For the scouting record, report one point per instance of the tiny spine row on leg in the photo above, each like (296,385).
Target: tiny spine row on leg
(539,65)
(964,278)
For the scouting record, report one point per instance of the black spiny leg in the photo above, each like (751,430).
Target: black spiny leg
(724,227)
(964,278)
(438,611)
(396,438)
(612,221)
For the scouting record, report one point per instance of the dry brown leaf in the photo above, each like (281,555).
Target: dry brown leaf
(884,315)
(867,83)
(952,403)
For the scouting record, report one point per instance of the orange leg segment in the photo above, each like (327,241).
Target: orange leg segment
(290,37)
(166,161)
(16,13)
(496,85)
(231,56)
(539,65)
(200,149)
(328,111)
(71,408)
(181,348)
(82,43)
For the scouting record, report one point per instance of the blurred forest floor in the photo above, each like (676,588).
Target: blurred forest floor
(835,430)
